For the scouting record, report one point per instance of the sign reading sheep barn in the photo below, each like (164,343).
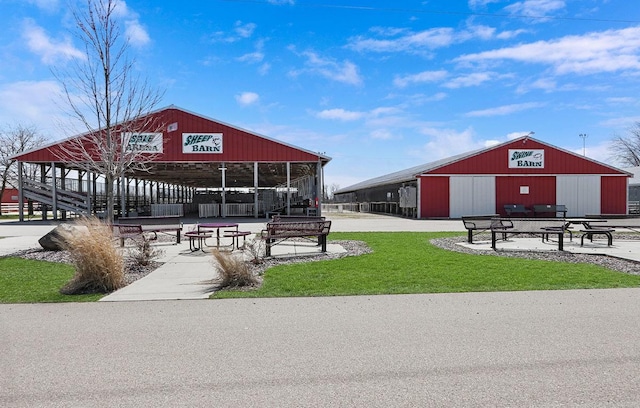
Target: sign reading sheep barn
(202,143)
(526,158)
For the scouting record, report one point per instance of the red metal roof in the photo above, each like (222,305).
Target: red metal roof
(238,145)
(495,160)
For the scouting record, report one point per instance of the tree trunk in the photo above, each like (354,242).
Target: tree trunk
(109,215)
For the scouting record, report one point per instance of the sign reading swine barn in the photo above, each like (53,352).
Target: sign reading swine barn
(143,142)
(526,158)
(202,143)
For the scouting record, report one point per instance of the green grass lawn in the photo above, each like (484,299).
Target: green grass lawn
(31,281)
(405,262)
(402,262)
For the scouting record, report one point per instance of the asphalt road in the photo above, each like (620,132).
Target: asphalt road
(521,349)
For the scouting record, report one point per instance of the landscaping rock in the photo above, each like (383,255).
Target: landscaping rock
(53,240)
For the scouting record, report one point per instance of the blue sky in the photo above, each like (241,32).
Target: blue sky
(379,86)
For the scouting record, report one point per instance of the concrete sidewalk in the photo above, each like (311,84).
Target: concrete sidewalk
(187,275)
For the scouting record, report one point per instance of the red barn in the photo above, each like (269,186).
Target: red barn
(522,171)
(194,160)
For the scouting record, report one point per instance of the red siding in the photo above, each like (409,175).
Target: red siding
(238,145)
(613,197)
(542,190)
(496,162)
(434,197)
(9,194)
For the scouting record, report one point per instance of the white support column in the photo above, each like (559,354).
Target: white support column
(20,193)
(223,210)
(123,200)
(54,191)
(288,188)
(255,186)
(319,187)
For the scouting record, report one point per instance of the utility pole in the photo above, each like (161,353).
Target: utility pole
(584,141)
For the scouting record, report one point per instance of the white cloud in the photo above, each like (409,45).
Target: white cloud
(507,35)
(504,110)
(472,31)
(254,57)
(251,58)
(606,51)
(537,8)
(621,122)
(49,50)
(515,135)
(346,71)
(445,143)
(49,5)
(412,42)
(621,100)
(475,4)
(282,2)
(382,134)
(247,98)
(425,76)
(136,33)
(264,68)
(473,79)
(340,114)
(121,9)
(31,102)
(241,31)
(244,30)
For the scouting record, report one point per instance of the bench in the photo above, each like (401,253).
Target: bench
(590,232)
(294,218)
(630,222)
(476,224)
(542,226)
(550,209)
(277,232)
(124,231)
(153,224)
(511,209)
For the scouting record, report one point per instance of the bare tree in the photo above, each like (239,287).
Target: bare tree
(115,105)
(14,140)
(626,149)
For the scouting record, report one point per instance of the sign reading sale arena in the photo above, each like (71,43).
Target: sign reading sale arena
(526,158)
(142,142)
(202,143)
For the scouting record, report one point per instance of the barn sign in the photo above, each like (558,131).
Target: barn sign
(526,158)
(202,143)
(142,142)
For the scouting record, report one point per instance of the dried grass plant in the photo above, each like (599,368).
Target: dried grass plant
(143,253)
(255,248)
(98,263)
(233,271)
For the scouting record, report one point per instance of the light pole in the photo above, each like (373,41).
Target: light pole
(584,141)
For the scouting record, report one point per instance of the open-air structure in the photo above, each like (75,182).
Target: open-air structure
(199,166)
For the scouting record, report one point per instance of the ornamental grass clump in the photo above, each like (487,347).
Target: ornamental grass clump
(143,254)
(98,263)
(233,271)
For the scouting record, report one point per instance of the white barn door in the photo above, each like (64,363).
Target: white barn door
(472,195)
(581,194)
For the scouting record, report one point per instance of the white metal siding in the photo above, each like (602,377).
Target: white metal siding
(472,195)
(581,194)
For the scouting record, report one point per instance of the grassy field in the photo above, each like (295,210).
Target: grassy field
(402,262)
(405,262)
(30,281)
